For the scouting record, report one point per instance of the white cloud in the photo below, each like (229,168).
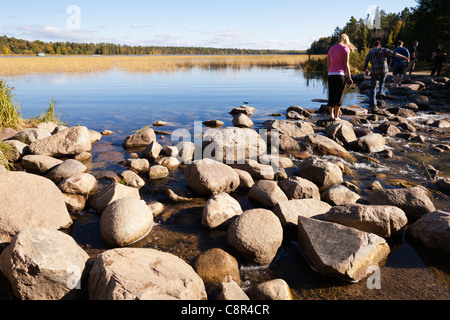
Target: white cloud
(53,34)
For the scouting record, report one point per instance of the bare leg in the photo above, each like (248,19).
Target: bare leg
(331,109)
(337,111)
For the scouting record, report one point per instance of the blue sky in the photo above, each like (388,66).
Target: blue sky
(254,24)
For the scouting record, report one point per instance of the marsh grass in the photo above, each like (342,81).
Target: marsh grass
(9,108)
(85,64)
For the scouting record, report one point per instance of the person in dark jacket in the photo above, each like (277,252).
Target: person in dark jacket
(439,57)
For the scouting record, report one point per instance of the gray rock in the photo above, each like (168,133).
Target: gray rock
(153,150)
(138,165)
(246,180)
(256,169)
(340,251)
(66,169)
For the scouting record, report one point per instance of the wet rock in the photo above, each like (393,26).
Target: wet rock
(276,289)
(156,276)
(354,110)
(242,121)
(220,210)
(208,177)
(215,266)
(80,183)
(433,231)
(339,195)
(138,165)
(65,170)
(125,221)
(422,102)
(153,150)
(213,123)
(293,129)
(169,162)
(441,124)
(84,156)
(383,221)
(322,145)
(321,172)
(340,251)
(414,201)
(266,193)
(132,179)
(247,110)
(158,172)
(140,139)
(376,185)
(231,291)
(107,132)
(444,184)
(299,110)
(29,201)
(289,211)
(43,264)
(371,143)
(68,142)
(110,193)
(299,188)
(246,180)
(257,234)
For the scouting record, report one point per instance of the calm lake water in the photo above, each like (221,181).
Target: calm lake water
(124,102)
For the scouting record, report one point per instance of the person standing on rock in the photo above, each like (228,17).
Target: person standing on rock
(399,65)
(338,68)
(414,57)
(439,57)
(377,56)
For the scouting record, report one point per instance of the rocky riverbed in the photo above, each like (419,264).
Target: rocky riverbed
(347,205)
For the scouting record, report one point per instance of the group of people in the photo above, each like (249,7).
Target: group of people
(403,61)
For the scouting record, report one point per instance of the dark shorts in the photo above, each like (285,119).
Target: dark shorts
(336,86)
(399,69)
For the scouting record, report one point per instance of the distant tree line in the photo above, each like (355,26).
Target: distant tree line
(428,23)
(23,47)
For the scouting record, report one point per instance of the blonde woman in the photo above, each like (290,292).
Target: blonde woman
(338,69)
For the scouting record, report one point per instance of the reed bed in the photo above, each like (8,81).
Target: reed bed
(15,66)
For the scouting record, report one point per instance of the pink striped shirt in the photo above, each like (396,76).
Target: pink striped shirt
(337,57)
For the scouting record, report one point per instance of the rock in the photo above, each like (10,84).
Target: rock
(169,162)
(246,180)
(107,132)
(29,201)
(257,170)
(138,165)
(220,210)
(276,289)
(215,266)
(441,124)
(132,179)
(30,135)
(171,151)
(39,164)
(257,234)
(140,139)
(433,231)
(342,133)
(153,150)
(68,142)
(156,208)
(411,106)
(444,184)
(242,121)
(95,136)
(293,129)
(340,251)
(48,125)
(383,221)
(125,221)
(7,133)
(208,177)
(110,193)
(266,193)
(322,145)
(81,183)
(376,185)
(84,156)
(233,145)
(65,170)
(321,172)
(17,150)
(158,172)
(293,115)
(288,144)
(354,110)
(186,152)
(247,110)
(339,195)
(371,143)
(299,188)
(44,264)
(156,276)
(289,211)
(160,123)
(179,195)
(422,102)
(213,123)
(299,110)
(231,291)
(413,201)
(75,203)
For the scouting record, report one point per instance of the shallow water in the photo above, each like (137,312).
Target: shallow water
(125,102)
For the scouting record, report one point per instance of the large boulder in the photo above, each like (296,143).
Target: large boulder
(208,177)
(322,145)
(383,221)
(143,274)
(299,188)
(289,211)
(323,173)
(342,133)
(340,251)
(69,142)
(44,264)
(143,138)
(433,231)
(125,221)
(110,193)
(257,234)
(266,193)
(30,201)
(219,211)
(293,129)
(414,201)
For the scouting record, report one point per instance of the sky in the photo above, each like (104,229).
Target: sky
(250,24)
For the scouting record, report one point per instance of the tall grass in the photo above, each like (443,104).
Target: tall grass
(5,153)
(9,108)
